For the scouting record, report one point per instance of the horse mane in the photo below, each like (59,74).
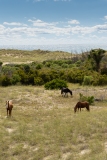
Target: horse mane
(65,90)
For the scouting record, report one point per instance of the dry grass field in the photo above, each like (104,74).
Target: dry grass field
(43,125)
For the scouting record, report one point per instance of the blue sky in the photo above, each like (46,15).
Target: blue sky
(40,22)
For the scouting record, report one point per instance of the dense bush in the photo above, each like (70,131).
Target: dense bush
(87,80)
(6,81)
(38,81)
(15,79)
(55,84)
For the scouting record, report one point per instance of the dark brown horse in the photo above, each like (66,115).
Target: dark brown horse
(65,91)
(9,107)
(80,105)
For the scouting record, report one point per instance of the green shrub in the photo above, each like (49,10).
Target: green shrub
(39,66)
(6,81)
(15,79)
(55,84)
(87,80)
(38,81)
(89,99)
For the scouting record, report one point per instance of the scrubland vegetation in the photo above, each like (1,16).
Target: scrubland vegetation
(87,68)
(43,125)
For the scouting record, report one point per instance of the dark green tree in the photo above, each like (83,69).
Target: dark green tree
(96,56)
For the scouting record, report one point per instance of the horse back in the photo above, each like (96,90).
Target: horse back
(83,104)
(9,104)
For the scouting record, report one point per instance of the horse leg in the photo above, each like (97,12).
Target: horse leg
(10,112)
(75,109)
(78,109)
(7,112)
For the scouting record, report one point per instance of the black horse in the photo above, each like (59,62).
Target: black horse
(65,91)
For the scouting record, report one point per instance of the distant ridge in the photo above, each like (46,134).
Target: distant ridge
(71,48)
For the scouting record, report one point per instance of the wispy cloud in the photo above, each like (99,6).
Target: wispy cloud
(14,24)
(105,17)
(39,23)
(74,22)
(39,27)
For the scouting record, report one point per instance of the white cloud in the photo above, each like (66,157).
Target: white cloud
(14,24)
(101,27)
(74,22)
(39,31)
(1,27)
(105,17)
(39,23)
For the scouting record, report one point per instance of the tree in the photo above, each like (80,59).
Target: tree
(96,55)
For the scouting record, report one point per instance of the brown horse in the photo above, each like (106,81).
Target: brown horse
(9,107)
(80,105)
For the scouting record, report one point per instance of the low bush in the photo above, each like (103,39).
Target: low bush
(89,99)
(55,84)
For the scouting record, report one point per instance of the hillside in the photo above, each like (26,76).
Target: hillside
(21,56)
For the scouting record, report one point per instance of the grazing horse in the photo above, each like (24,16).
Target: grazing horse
(65,91)
(9,107)
(80,105)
